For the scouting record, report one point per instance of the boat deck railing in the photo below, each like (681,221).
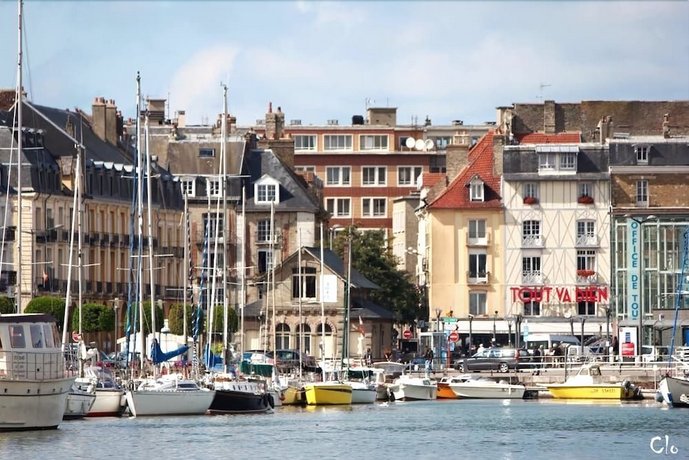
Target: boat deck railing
(25,365)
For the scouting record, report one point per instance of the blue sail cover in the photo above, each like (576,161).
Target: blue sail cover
(158,356)
(212,360)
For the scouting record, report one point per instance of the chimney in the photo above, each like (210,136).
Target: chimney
(498,148)
(604,129)
(275,123)
(666,125)
(156,111)
(457,154)
(181,119)
(98,117)
(549,117)
(111,122)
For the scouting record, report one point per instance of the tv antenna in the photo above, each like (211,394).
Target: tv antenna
(541,86)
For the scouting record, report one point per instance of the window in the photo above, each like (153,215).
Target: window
(206,152)
(373,207)
(531,307)
(215,222)
(546,162)
(304,334)
(531,189)
(37,336)
(407,175)
(531,233)
(441,143)
(338,175)
(266,193)
(642,192)
(641,154)
(586,259)
(282,336)
(263,231)
(477,303)
(531,270)
(17,339)
(568,162)
(585,189)
(553,159)
(373,142)
(265,260)
(338,207)
(305,142)
(337,142)
(266,190)
(476,188)
(373,175)
(308,283)
(586,232)
(477,266)
(477,229)
(585,308)
(214,187)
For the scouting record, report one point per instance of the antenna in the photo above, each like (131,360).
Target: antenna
(540,89)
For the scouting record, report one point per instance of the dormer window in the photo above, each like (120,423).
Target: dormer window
(476,189)
(266,190)
(641,154)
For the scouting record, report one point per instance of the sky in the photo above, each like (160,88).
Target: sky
(324,60)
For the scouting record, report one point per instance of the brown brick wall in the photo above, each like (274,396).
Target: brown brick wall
(664,190)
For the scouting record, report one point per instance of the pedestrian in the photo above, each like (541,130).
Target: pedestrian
(368,357)
(537,360)
(429,360)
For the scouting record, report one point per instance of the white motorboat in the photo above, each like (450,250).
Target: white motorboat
(110,399)
(80,399)
(409,388)
(674,391)
(485,388)
(169,395)
(363,392)
(33,382)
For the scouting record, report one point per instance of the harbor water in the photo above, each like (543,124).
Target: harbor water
(470,429)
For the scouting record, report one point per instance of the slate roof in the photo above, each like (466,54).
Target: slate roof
(456,194)
(294,195)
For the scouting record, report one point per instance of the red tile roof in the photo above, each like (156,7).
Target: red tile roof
(456,194)
(542,138)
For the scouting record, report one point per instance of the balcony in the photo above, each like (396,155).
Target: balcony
(532,277)
(478,241)
(478,277)
(587,277)
(587,241)
(532,241)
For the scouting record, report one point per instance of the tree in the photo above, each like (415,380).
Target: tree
(51,305)
(94,318)
(7,306)
(175,316)
(371,258)
(133,315)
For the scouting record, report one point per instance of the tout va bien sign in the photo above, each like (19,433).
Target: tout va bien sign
(560,294)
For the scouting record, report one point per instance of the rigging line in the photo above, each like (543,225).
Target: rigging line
(25,40)
(7,192)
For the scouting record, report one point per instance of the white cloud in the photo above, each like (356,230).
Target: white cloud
(195,86)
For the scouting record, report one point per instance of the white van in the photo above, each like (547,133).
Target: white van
(549,340)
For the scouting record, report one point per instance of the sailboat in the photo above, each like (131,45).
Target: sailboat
(170,394)
(326,392)
(32,365)
(673,389)
(233,394)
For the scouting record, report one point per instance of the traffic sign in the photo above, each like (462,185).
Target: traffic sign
(76,336)
(406,334)
(454,336)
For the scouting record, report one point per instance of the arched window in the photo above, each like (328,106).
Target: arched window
(304,338)
(282,336)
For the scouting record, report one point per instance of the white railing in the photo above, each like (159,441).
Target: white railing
(532,277)
(587,241)
(532,241)
(19,365)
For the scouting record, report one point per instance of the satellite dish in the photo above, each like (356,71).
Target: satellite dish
(568,314)
(410,142)
(429,144)
(420,144)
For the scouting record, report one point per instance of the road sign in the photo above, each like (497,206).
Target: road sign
(406,334)
(454,336)
(76,336)
(449,319)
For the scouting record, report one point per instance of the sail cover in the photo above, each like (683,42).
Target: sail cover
(158,356)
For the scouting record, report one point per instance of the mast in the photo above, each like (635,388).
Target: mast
(272,276)
(19,100)
(348,290)
(139,225)
(301,294)
(185,268)
(322,303)
(242,266)
(223,190)
(149,229)
(75,222)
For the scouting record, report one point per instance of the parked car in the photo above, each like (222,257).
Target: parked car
(287,359)
(651,353)
(500,359)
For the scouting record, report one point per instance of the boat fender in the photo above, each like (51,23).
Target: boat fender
(659,397)
(627,385)
(270,400)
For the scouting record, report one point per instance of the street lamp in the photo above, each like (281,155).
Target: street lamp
(331,233)
(509,332)
(518,329)
(495,317)
(582,319)
(438,311)
(636,270)
(471,320)
(116,307)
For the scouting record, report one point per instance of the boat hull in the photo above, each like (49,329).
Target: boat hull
(108,403)
(445,392)
(78,405)
(469,390)
(363,393)
(292,396)
(329,394)
(240,402)
(672,389)
(33,405)
(169,402)
(564,391)
(414,392)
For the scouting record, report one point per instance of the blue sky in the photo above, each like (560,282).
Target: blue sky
(323,60)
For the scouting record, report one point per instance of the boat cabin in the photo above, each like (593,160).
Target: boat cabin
(30,347)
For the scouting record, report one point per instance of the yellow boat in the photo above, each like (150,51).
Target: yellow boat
(328,393)
(589,384)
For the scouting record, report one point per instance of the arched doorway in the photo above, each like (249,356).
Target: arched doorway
(329,343)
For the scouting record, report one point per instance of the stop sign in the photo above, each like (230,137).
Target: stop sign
(454,336)
(406,334)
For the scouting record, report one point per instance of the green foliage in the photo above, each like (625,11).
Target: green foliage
(133,313)
(54,306)
(218,320)
(7,306)
(94,318)
(371,258)
(175,316)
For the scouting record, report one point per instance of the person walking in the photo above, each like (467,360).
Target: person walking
(429,360)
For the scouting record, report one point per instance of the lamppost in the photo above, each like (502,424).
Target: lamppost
(635,269)
(331,233)
(518,330)
(116,307)
(607,326)
(495,317)
(582,319)
(509,331)
(471,320)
